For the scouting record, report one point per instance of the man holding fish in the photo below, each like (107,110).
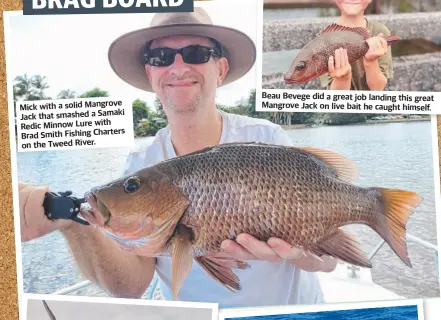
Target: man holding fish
(184,65)
(217,202)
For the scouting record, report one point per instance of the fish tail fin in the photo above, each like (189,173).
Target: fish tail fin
(390,224)
(392,39)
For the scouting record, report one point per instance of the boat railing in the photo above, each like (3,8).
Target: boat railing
(353,269)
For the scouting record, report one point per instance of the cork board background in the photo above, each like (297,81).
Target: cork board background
(8,272)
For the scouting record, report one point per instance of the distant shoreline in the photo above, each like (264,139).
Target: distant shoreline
(302,126)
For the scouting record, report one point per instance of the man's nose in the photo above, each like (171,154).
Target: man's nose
(179,66)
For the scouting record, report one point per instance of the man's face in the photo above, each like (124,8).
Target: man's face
(352,7)
(183,87)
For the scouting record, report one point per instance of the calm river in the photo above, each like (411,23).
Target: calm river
(397,155)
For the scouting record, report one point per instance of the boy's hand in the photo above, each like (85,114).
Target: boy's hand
(377,48)
(339,67)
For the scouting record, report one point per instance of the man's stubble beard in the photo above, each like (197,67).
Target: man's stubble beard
(190,107)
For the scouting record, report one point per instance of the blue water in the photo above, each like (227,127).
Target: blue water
(389,313)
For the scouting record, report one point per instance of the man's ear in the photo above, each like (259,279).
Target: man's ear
(223,67)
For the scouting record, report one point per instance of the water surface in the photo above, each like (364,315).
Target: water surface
(396,313)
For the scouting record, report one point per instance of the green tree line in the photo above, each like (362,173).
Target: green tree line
(147,121)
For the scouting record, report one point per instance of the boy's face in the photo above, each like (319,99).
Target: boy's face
(352,7)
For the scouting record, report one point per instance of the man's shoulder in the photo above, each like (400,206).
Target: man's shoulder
(145,154)
(238,121)
(248,129)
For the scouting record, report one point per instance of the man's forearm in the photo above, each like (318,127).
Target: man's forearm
(375,79)
(120,273)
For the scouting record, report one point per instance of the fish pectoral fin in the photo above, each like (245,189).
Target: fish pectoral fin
(219,266)
(182,259)
(343,246)
(346,169)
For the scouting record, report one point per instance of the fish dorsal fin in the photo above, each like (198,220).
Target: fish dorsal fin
(346,170)
(337,27)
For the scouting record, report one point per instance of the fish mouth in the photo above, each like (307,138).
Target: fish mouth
(288,78)
(301,80)
(292,81)
(97,213)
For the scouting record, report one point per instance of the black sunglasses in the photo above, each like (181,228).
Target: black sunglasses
(193,54)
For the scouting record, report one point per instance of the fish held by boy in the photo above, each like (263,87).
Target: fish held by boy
(186,206)
(312,60)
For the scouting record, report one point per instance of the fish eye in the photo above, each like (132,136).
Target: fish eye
(132,184)
(301,65)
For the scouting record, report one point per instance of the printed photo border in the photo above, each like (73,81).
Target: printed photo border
(224,312)
(258,4)
(237,313)
(118,301)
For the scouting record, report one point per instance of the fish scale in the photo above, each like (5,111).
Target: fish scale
(195,202)
(284,172)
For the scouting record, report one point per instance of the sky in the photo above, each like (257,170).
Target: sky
(71,50)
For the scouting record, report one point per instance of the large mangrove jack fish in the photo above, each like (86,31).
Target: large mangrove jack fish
(186,206)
